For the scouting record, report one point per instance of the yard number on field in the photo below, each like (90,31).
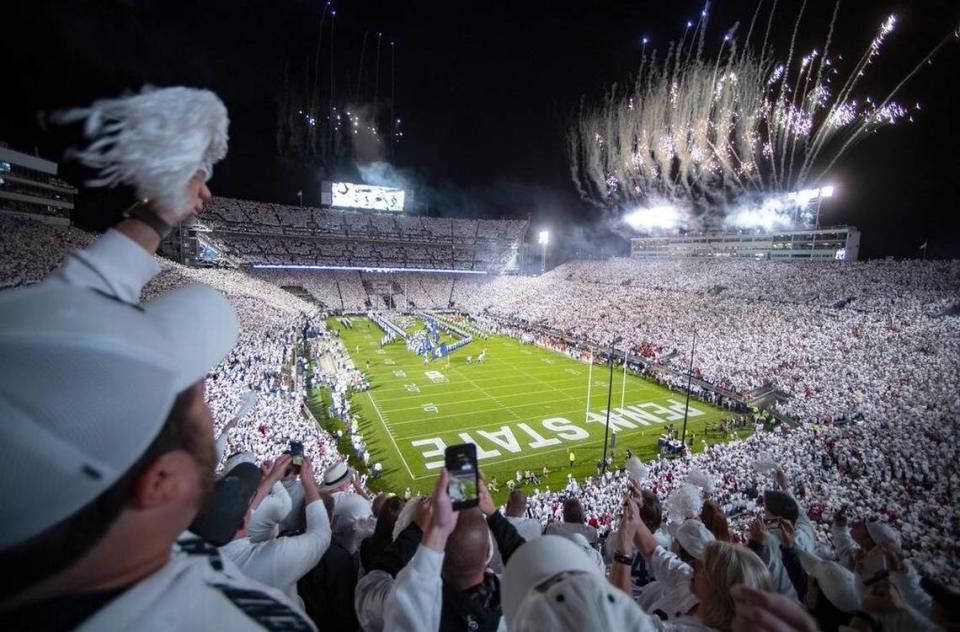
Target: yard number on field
(436,377)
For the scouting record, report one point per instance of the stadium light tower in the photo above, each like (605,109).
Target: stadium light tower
(824,192)
(543,239)
(606,429)
(686,406)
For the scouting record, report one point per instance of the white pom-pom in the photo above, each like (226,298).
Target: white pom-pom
(700,478)
(636,470)
(765,464)
(154,141)
(684,502)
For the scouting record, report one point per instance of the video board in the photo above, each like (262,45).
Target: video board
(367,196)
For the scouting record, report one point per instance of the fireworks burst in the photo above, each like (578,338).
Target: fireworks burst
(707,133)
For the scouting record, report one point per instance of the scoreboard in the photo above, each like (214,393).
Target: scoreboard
(351,195)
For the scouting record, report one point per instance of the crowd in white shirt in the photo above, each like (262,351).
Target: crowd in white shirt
(888,358)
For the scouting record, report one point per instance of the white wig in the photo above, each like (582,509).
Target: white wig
(154,141)
(684,502)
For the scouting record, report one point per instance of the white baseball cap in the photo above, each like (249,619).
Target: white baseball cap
(882,533)
(86,384)
(534,563)
(837,583)
(693,536)
(578,601)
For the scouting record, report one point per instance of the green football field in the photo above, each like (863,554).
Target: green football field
(524,407)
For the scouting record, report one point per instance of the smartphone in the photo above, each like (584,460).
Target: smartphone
(874,566)
(296,451)
(773,527)
(461,462)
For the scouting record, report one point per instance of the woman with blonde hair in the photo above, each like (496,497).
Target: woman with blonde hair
(714,570)
(723,566)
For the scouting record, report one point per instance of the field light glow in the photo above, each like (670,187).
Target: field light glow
(293,266)
(664,217)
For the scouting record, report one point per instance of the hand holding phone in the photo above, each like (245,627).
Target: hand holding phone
(442,518)
(296,455)
(460,462)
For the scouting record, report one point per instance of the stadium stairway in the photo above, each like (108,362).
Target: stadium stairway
(301,292)
(765,396)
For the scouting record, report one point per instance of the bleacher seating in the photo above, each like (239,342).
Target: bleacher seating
(264,233)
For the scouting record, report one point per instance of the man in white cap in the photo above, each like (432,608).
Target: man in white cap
(340,478)
(550,584)
(867,534)
(106,445)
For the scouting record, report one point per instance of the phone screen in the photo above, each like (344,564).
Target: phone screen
(461,463)
(296,451)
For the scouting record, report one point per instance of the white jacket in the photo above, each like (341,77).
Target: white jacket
(266,519)
(190,593)
(415,600)
(281,562)
(670,590)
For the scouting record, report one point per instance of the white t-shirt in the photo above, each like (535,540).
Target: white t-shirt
(528,528)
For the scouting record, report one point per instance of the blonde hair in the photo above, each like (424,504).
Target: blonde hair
(728,565)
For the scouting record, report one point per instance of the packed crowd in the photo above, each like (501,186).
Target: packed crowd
(351,291)
(258,232)
(119,369)
(897,356)
(896,467)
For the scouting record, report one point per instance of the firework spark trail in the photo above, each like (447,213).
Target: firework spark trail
(753,20)
(861,131)
(819,86)
(853,79)
(363,52)
(700,133)
(782,140)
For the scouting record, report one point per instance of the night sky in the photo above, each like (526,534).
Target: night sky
(484,90)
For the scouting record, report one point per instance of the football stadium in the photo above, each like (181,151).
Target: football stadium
(457,316)
(525,407)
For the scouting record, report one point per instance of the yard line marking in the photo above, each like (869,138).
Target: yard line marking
(478,399)
(499,403)
(390,434)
